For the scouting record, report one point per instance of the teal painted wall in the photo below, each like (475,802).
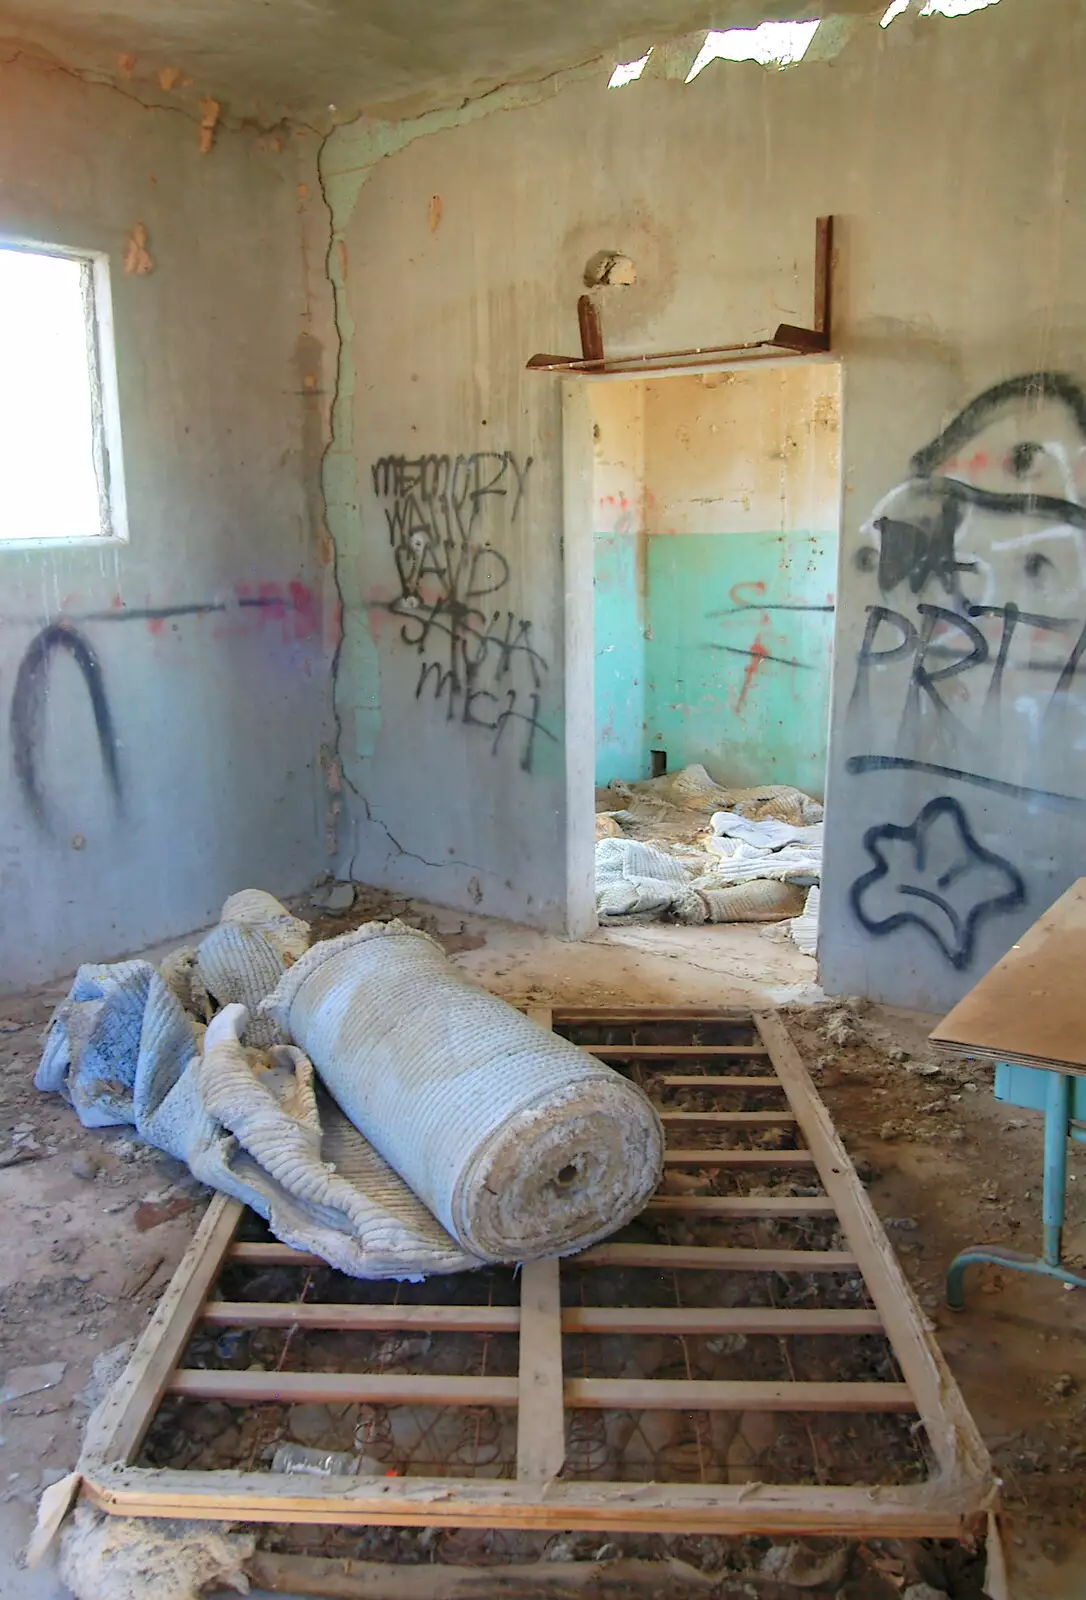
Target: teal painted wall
(620,660)
(725,661)
(740,657)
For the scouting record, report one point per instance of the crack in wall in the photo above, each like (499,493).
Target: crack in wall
(41,61)
(340,186)
(347,156)
(413,855)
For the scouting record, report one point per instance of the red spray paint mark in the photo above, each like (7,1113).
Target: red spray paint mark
(306,609)
(758,653)
(156,625)
(335,625)
(747,594)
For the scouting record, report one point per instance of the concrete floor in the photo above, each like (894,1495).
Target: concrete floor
(74,1249)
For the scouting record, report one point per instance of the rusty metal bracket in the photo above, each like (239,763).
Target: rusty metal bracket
(787,340)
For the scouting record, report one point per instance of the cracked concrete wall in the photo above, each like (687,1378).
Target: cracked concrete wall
(952,153)
(205,637)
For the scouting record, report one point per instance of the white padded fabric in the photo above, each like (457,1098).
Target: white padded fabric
(520,1143)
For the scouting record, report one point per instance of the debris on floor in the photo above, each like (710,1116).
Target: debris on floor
(442,1128)
(686,848)
(938,1174)
(129,1558)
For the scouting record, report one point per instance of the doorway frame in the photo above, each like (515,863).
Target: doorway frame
(579,623)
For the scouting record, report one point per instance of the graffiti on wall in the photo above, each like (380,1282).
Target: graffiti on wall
(27,715)
(970,660)
(292,606)
(936,875)
(477,659)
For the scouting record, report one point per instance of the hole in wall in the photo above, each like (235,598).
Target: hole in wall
(609,267)
(771,44)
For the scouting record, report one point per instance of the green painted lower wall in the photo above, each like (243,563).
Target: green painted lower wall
(620,660)
(731,666)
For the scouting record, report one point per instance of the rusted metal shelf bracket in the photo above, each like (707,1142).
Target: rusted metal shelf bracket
(788,340)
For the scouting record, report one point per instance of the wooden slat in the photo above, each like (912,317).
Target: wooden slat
(330,1388)
(741,1205)
(293,1314)
(116,1429)
(682,1257)
(273,1254)
(691,1080)
(738,1158)
(725,1119)
(938,1509)
(670,1052)
(691,1321)
(506,1319)
(615,1015)
(541,1423)
(951,1430)
(683,1394)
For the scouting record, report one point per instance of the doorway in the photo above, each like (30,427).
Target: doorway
(715,510)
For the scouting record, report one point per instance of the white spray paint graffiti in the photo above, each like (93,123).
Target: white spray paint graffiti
(968,671)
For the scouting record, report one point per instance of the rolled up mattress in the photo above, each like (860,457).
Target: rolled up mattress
(520,1143)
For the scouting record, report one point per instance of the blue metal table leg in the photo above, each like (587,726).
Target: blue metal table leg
(1057,1119)
(1048,1264)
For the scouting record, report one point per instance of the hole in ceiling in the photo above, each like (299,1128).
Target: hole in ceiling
(609,267)
(628,72)
(954,8)
(772,44)
(934,8)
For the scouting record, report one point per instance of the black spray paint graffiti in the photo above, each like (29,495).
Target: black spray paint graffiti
(935,875)
(478,661)
(995,509)
(944,644)
(1018,453)
(969,665)
(291,607)
(27,714)
(858,765)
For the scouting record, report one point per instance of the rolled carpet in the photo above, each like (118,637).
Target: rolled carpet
(519,1142)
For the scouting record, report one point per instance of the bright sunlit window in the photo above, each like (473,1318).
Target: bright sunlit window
(60,472)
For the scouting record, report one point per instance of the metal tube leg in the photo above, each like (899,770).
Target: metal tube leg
(1057,1112)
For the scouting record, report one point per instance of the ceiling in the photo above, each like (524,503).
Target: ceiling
(299,57)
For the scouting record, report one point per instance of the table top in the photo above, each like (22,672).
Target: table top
(1030,1009)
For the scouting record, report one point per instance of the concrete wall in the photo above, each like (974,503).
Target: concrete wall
(717,498)
(952,151)
(205,631)
(621,631)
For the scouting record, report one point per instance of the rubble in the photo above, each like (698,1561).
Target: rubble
(127,1558)
(803,1568)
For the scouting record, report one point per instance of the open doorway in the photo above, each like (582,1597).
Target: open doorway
(715,529)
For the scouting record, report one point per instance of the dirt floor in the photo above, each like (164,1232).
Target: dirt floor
(94,1223)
